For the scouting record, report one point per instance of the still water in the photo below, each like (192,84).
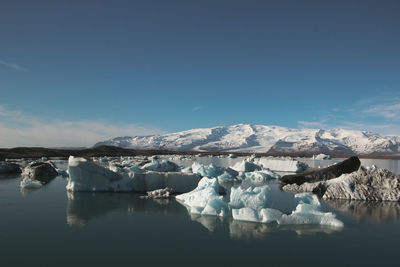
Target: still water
(50,227)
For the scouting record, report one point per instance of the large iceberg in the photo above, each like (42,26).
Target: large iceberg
(88,176)
(365,184)
(253,204)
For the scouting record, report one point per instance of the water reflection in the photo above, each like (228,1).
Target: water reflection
(377,211)
(83,207)
(209,222)
(250,230)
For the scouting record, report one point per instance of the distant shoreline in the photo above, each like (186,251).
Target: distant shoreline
(112,151)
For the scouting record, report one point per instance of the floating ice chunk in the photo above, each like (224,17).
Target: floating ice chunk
(187,170)
(161,166)
(42,171)
(232,156)
(207,171)
(284,165)
(265,215)
(307,198)
(205,199)
(159,193)
(246,166)
(253,204)
(321,157)
(28,183)
(228,174)
(88,176)
(252,197)
(260,176)
(310,214)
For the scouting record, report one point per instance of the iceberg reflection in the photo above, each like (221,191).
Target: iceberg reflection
(83,207)
(377,211)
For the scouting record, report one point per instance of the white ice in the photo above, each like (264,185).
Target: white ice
(281,164)
(205,199)
(246,166)
(88,176)
(253,204)
(161,166)
(207,171)
(29,183)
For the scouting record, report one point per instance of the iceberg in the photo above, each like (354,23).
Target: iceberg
(321,157)
(308,212)
(205,199)
(252,197)
(365,184)
(42,171)
(246,166)
(254,205)
(259,176)
(207,171)
(282,164)
(88,176)
(161,166)
(159,193)
(28,183)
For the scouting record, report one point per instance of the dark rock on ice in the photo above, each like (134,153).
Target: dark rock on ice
(314,175)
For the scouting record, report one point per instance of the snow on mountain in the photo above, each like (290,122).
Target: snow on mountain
(262,138)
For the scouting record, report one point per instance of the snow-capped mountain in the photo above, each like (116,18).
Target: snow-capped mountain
(262,138)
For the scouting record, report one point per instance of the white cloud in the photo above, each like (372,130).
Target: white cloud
(13,66)
(390,111)
(18,129)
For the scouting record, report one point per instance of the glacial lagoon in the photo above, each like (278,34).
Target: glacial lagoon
(53,227)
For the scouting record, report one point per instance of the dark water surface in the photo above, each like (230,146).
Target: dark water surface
(50,227)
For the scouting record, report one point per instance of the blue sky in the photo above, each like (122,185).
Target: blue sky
(74,72)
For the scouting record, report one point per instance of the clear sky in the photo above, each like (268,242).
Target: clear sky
(72,72)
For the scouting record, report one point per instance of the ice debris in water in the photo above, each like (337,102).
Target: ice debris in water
(159,193)
(253,204)
(161,166)
(29,183)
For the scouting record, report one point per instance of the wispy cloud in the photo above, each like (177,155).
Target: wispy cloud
(379,114)
(19,129)
(390,111)
(197,108)
(12,66)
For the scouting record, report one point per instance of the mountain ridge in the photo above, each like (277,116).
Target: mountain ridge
(265,139)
